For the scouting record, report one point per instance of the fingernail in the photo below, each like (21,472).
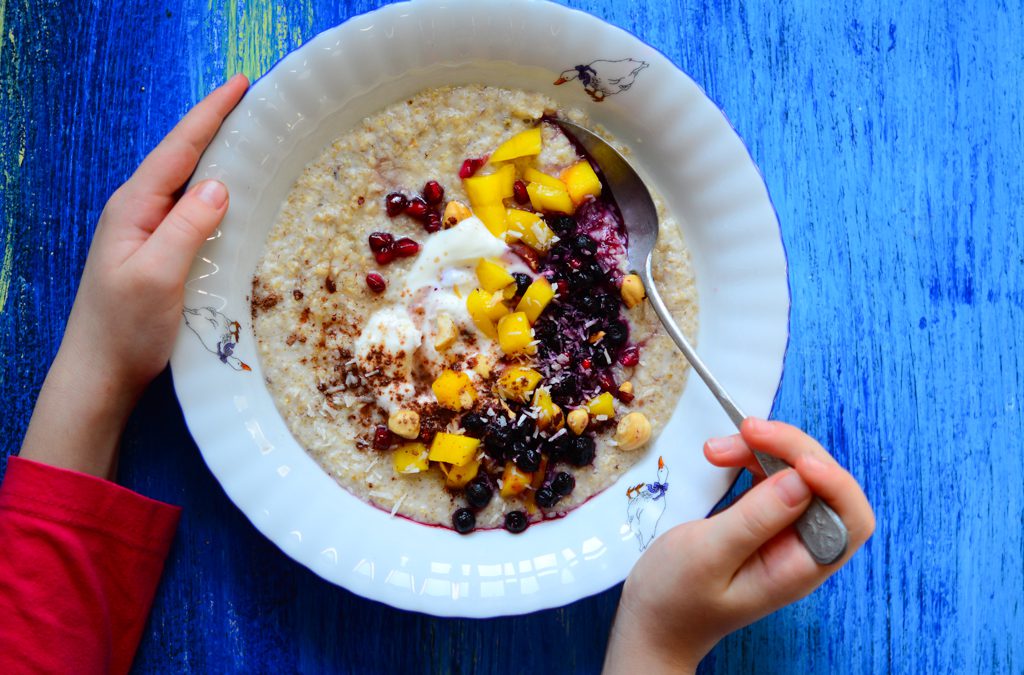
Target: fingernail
(212,193)
(791,488)
(717,445)
(757,425)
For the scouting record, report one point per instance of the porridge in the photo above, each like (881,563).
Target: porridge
(445,319)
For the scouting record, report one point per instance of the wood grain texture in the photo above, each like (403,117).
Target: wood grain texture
(890,139)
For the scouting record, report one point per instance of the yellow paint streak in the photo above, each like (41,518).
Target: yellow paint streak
(258,34)
(5,268)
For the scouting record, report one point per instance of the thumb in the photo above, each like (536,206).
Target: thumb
(763,512)
(175,242)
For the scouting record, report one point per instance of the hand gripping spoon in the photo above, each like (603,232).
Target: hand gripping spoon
(822,531)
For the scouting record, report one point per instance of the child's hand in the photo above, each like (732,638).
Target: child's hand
(707,578)
(128,308)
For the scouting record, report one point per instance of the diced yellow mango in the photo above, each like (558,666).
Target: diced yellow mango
(410,458)
(516,383)
(538,475)
(454,390)
(532,175)
(515,334)
(458,476)
(548,414)
(492,275)
(493,218)
(603,404)
(523,144)
(492,188)
(535,299)
(529,228)
(478,304)
(545,198)
(581,181)
(453,449)
(514,481)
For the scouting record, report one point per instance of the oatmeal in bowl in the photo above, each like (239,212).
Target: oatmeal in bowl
(445,319)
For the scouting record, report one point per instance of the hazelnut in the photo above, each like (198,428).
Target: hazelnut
(447,332)
(633,431)
(632,290)
(454,213)
(577,421)
(626,387)
(405,423)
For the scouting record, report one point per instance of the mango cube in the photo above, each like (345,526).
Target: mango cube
(486,308)
(493,218)
(602,404)
(581,181)
(513,481)
(528,228)
(546,198)
(458,476)
(410,458)
(492,188)
(523,144)
(532,175)
(548,413)
(453,449)
(516,383)
(535,299)
(515,334)
(493,277)
(454,390)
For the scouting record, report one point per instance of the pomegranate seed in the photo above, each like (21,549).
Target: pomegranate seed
(471,166)
(519,192)
(385,256)
(406,247)
(563,287)
(395,203)
(380,241)
(607,382)
(376,282)
(417,209)
(433,221)
(586,364)
(381,438)
(629,357)
(433,192)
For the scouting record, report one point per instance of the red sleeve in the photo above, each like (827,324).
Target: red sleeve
(80,559)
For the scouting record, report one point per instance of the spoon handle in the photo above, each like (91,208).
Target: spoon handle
(820,528)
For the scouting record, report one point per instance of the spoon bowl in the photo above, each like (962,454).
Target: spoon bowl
(820,528)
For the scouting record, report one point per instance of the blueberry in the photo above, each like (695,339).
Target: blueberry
(581,279)
(545,497)
(528,460)
(601,356)
(563,483)
(565,388)
(498,441)
(616,334)
(557,447)
(608,305)
(581,451)
(516,521)
(464,521)
(474,423)
(562,225)
(523,282)
(584,244)
(479,493)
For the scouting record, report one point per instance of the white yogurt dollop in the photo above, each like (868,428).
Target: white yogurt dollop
(438,282)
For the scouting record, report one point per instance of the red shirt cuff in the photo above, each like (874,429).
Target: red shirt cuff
(78,499)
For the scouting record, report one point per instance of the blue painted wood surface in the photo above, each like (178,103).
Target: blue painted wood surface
(890,139)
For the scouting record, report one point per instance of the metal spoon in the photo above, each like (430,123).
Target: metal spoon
(822,531)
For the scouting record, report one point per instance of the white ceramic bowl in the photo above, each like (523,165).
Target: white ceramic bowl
(688,152)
